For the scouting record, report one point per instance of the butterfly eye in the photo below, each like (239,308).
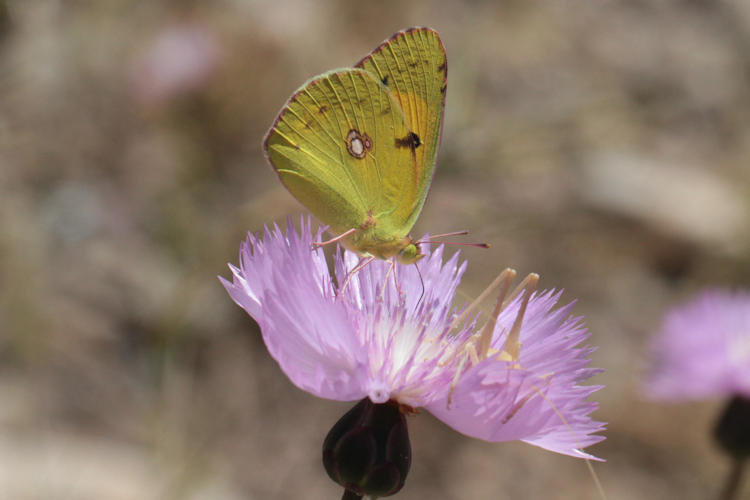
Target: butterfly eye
(409,254)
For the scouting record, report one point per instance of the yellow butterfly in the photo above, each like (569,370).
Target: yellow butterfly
(357,146)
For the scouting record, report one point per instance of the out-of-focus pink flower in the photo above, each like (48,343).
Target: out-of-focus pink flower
(703,349)
(399,343)
(179,60)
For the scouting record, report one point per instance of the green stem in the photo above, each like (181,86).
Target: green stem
(734,480)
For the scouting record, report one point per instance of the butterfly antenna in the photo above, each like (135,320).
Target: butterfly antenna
(477,245)
(431,239)
(445,235)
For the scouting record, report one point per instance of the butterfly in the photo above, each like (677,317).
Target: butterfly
(357,146)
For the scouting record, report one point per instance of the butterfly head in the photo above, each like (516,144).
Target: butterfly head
(410,253)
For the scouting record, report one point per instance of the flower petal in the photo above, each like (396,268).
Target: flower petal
(703,349)
(535,399)
(286,288)
(387,332)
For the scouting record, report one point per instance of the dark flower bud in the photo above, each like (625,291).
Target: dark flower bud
(733,428)
(367,451)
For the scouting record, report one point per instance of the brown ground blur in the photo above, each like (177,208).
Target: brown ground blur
(604,145)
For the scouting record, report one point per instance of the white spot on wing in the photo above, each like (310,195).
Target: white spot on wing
(357,144)
(357,147)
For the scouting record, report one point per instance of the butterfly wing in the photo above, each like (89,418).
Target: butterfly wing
(413,66)
(341,146)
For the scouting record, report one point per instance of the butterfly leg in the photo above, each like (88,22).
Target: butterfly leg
(340,237)
(360,265)
(391,269)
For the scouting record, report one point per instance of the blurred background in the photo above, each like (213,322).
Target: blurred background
(603,145)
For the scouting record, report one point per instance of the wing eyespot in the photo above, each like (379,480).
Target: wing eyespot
(358,144)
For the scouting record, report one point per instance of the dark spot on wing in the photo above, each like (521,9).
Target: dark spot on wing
(442,89)
(322,109)
(411,140)
(413,64)
(442,67)
(307,124)
(384,80)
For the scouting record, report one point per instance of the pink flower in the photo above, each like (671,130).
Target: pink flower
(397,339)
(181,59)
(703,349)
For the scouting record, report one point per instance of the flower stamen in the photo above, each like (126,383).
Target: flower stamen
(478,347)
(512,344)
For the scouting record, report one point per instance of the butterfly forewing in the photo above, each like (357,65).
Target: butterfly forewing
(412,65)
(335,146)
